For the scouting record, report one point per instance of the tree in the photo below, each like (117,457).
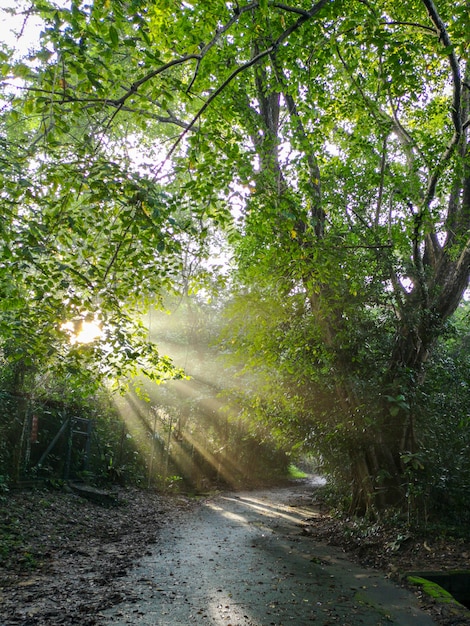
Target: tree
(85,236)
(375,247)
(344,129)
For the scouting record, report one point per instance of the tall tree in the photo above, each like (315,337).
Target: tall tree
(376,227)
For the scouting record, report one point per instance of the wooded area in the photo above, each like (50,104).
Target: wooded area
(292,182)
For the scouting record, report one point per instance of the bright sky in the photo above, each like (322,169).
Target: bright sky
(12,25)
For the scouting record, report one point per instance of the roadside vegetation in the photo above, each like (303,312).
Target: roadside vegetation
(234,237)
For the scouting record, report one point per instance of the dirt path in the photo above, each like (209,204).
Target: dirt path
(242,560)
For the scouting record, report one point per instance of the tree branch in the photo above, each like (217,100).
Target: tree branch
(456,98)
(133,89)
(220,31)
(138,83)
(289,9)
(413,24)
(317,212)
(383,162)
(122,241)
(453,61)
(241,68)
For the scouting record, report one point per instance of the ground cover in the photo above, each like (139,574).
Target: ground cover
(63,558)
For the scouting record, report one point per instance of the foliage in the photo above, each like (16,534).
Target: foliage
(441,471)
(110,454)
(328,140)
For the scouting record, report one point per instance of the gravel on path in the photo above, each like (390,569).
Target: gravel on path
(243,560)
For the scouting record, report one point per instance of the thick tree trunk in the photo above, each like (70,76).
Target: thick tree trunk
(420,327)
(439,277)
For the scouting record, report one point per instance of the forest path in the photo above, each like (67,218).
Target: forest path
(241,559)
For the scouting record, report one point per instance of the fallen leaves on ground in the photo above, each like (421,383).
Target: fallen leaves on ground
(63,559)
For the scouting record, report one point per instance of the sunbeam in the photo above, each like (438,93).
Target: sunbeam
(186,429)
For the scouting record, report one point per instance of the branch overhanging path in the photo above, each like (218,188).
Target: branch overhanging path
(120,104)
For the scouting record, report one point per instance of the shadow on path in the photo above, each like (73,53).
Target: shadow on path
(241,560)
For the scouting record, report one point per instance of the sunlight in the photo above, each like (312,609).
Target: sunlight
(90,331)
(230,515)
(83,331)
(291,514)
(179,452)
(196,443)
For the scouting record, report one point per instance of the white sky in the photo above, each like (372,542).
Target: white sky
(12,25)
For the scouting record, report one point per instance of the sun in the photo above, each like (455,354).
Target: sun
(89,332)
(83,331)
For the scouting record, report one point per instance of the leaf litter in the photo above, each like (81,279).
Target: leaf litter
(64,559)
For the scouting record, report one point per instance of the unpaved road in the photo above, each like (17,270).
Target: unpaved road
(242,560)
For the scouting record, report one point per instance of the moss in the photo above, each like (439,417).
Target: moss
(295,472)
(440,595)
(432,589)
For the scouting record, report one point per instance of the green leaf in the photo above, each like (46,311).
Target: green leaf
(113,35)
(21,70)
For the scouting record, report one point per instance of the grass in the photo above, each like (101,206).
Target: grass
(295,472)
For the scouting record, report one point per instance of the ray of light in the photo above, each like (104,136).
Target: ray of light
(280,510)
(198,440)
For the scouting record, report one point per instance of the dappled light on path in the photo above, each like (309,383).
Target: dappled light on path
(277,511)
(242,559)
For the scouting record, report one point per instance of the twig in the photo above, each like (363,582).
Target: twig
(456,99)
(270,50)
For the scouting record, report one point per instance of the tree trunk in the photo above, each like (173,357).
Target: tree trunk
(439,276)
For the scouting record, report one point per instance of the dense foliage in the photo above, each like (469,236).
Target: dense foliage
(329,142)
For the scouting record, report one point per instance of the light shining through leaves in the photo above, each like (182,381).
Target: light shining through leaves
(83,331)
